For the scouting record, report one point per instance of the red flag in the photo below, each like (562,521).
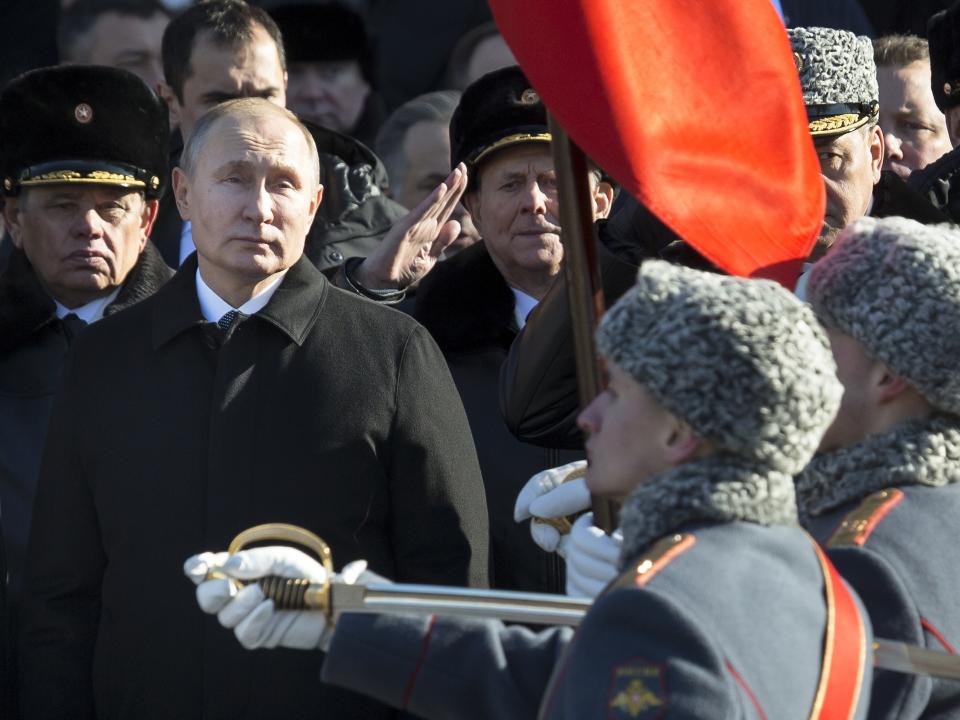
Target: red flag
(694,107)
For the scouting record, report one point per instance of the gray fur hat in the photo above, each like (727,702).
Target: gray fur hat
(743,362)
(838,77)
(894,286)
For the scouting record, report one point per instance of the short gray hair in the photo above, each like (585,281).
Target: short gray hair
(240,107)
(431,107)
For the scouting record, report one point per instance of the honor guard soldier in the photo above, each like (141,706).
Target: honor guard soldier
(883,495)
(720,390)
(839,82)
(82,167)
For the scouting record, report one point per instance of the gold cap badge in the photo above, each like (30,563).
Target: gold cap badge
(798,61)
(529,97)
(83,113)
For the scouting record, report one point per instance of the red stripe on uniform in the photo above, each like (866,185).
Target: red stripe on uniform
(746,688)
(925,624)
(408,691)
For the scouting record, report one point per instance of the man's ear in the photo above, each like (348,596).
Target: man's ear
(470,202)
(875,139)
(602,200)
(11,218)
(890,386)
(315,203)
(181,192)
(150,210)
(682,443)
(173,104)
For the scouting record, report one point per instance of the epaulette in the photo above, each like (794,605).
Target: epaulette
(860,522)
(663,552)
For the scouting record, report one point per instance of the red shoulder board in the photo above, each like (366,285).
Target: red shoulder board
(860,522)
(661,554)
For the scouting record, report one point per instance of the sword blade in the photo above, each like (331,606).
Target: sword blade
(534,608)
(544,609)
(913,660)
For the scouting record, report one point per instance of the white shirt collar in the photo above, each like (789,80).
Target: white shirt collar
(523,305)
(89,313)
(214,307)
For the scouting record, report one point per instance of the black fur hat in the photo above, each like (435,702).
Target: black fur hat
(82,124)
(324,33)
(498,110)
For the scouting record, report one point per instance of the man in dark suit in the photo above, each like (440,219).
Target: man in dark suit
(272,396)
(83,164)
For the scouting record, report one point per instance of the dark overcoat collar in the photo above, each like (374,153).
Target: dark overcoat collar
(293,309)
(26,307)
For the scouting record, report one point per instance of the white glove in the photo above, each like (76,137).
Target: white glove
(252,617)
(546,495)
(593,557)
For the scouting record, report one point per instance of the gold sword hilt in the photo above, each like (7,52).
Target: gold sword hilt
(288,593)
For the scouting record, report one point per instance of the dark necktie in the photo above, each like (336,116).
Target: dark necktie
(226,321)
(72,325)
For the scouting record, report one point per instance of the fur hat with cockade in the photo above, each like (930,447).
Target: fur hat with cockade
(742,361)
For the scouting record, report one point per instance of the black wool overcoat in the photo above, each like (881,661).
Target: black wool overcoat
(323,410)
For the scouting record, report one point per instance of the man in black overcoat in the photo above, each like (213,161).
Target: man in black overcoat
(248,390)
(83,166)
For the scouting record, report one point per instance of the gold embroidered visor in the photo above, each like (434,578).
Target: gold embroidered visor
(85,172)
(839,118)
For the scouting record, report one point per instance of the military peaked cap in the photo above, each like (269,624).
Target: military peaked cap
(838,78)
(943,35)
(498,110)
(82,124)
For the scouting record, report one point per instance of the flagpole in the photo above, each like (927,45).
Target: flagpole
(584,288)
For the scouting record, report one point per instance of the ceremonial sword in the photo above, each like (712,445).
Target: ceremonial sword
(335,599)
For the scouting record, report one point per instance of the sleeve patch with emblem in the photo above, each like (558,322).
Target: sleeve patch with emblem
(637,691)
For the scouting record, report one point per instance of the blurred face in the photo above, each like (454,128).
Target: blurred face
(490,54)
(128,42)
(850,167)
(856,371)
(426,148)
(82,242)
(331,94)
(629,436)
(220,73)
(251,199)
(914,129)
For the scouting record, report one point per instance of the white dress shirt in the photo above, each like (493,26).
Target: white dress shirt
(523,305)
(214,307)
(89,313)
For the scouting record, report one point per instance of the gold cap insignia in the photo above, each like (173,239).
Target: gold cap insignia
(529,97)
(83,113)
(154,182)
(798,61)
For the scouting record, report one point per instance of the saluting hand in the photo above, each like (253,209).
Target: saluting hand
(416,242)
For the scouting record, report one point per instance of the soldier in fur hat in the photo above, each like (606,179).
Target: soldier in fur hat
(720,390)
(884,493)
